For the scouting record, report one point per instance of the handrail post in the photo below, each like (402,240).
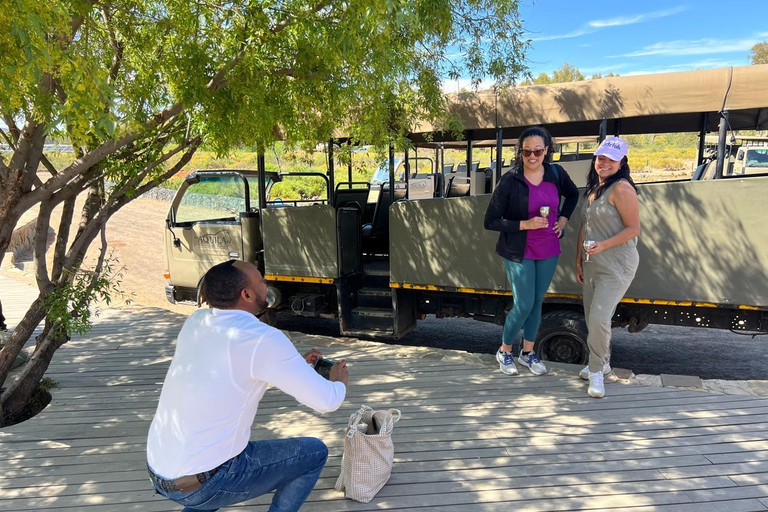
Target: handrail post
(261,169)
(391,173)
(469,153)
(499,143)
(330,172)
(349,166)
(721,136)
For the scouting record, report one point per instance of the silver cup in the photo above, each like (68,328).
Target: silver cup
(544,211)
(587,244)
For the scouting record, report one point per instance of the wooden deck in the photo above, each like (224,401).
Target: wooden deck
(471,439)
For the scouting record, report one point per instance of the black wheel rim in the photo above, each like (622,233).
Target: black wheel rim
(563,348)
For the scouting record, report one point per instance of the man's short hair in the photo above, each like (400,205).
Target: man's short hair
(220,287)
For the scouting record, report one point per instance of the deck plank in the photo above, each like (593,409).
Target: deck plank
(461,446)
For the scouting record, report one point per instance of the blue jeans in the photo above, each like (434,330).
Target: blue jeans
(290,467)
(529,280)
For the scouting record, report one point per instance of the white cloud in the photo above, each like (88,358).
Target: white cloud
(696,47)
(638,18)
(595,25)
(575,33)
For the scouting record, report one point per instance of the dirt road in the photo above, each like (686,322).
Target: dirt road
(135,237)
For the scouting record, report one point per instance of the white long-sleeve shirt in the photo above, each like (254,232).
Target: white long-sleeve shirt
(224,361)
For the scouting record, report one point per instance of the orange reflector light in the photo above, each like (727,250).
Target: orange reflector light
(167,274)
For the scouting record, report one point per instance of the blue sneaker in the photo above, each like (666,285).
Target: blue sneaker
(532,361)
(506,362)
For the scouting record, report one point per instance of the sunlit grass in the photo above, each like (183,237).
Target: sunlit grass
(652,158)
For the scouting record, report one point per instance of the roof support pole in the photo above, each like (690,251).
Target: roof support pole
(499,142)
(616,127)
(603,129)
(469,153)
(721,144)
(702,138)
(331,172)
(438,166)
(442,158)
(407,173)
(391,173)
(349,165)
(261,169)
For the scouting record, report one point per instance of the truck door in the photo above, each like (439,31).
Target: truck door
(204,225)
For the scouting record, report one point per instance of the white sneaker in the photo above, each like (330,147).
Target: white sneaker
(532,362)
(584,373)
(506,362)
(596,386)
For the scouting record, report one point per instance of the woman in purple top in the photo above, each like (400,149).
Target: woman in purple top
(525,210)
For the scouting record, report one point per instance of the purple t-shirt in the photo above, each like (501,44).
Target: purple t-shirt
(541,244)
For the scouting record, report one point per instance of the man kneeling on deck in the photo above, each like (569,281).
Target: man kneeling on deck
(198,450)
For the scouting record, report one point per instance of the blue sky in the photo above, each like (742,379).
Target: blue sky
(629,38)
(642,37)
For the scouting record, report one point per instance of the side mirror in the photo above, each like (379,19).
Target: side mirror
(176,241)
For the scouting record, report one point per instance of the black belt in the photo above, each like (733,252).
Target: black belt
(184,483)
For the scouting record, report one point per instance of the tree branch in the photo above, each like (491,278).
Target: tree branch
(8,140)
(65,225)
(48,165)
(40,245)
(109,147)
(12,128)
(191,148)
(116,45)
(136,180)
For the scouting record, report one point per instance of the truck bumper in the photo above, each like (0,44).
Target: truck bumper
(169,294)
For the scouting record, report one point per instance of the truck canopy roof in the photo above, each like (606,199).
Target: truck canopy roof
(658,103)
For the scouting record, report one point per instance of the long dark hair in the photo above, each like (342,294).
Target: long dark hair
(534,131)
(593,180)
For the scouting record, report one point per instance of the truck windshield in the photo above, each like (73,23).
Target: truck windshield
(757,158)
(382,173)
(419,165)
(212,198)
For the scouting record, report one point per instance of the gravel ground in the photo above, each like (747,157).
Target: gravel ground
(706,353)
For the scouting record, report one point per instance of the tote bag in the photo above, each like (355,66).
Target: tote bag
(368,453)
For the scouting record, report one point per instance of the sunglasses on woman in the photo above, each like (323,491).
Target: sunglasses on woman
(536,152)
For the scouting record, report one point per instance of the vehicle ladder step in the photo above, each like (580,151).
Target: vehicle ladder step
(374,312)
(374,298)
(373,318)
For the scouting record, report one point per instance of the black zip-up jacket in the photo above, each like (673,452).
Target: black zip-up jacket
(509,205)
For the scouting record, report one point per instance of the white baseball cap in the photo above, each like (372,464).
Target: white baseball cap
(614,148)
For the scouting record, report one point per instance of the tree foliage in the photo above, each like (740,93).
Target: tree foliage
(137,86)
(567,73)
(758,54)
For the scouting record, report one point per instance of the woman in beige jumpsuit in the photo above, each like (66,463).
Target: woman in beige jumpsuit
(610,226)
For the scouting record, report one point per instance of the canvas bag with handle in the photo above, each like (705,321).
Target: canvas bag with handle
(368,453)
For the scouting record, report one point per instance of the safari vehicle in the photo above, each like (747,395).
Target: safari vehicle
(751,160)
(751,155)
(703,250)
(744,154)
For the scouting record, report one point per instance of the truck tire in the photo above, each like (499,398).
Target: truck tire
(563,337)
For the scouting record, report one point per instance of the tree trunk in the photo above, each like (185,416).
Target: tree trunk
(16,397)
(21,334)
(11,194)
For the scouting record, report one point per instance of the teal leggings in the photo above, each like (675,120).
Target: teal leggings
(529,280)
